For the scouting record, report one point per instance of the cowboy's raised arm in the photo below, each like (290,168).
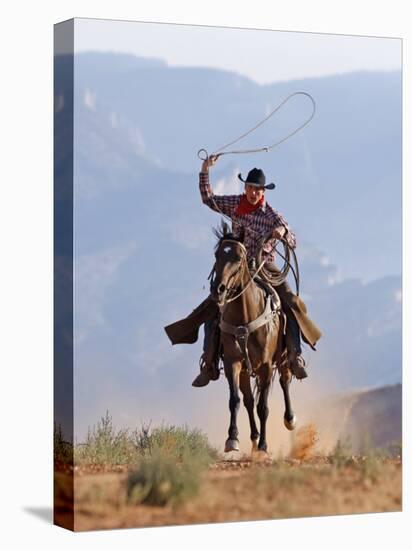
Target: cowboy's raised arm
(223,204)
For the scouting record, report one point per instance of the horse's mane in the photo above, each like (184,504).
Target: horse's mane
(224,232)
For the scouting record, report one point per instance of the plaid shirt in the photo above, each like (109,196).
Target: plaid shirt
(256,225)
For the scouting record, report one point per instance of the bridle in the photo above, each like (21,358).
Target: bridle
(239,275)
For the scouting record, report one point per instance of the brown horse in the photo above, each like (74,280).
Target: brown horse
(251,337)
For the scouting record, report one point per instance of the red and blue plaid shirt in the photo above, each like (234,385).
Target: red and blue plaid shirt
(256,225)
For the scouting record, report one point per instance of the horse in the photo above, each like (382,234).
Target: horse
(252,341)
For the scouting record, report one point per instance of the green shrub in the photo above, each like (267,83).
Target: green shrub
(159,480)
(176,442)
(105,445)
(63,450)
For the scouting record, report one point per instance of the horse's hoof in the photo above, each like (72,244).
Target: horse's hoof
(290,424)
(231,445)
(254,445)
(260,456)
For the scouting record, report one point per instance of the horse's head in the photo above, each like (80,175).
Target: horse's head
(231,261)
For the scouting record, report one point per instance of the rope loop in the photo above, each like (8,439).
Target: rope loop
(265,149)
(273,276)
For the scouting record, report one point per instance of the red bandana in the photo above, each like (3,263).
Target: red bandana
(245,207)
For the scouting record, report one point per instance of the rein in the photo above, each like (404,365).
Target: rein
(252,279)
(232,299)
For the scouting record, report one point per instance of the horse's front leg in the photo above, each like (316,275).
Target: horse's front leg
(249,403)
(232,372)
(265,376)
(289,417)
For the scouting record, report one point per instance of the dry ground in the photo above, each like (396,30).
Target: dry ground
(246,489)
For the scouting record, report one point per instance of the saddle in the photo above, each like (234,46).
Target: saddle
(270,292)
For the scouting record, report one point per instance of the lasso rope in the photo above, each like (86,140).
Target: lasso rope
(221,150)
(280,277)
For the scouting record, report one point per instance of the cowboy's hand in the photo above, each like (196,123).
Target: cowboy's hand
(279,232)
(210,161)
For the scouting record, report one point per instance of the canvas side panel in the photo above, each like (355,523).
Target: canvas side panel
(63,274)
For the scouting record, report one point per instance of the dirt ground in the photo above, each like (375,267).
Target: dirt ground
(243,489)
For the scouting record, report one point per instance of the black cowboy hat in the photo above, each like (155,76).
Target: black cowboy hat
(256,178)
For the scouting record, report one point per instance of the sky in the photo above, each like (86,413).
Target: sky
(283,55)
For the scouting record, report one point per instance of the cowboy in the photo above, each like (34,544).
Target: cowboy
(252,214)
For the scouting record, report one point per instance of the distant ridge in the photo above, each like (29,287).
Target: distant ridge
(139,124)
(361,420)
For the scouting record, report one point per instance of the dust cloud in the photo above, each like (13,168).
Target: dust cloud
(321,415)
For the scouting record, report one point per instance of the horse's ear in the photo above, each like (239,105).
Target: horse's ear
(225,228)
(242,234)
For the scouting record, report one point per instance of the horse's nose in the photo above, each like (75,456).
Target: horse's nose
(221,289)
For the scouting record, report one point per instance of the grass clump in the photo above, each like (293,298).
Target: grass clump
(167,461)
(172,461)
(159,480)
(178,442)
(280,475)
(368,464)
(62,450)
(283,475)
(370,467)
(106,445)
(341,455)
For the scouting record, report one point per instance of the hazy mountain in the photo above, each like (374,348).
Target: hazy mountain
(143,244)
(375,419)
(338,181)
(361,420)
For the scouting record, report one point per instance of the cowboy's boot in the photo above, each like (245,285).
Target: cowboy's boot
(209,361)
(297,364)
(296,361)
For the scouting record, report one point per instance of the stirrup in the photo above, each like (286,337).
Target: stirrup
(297,366)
